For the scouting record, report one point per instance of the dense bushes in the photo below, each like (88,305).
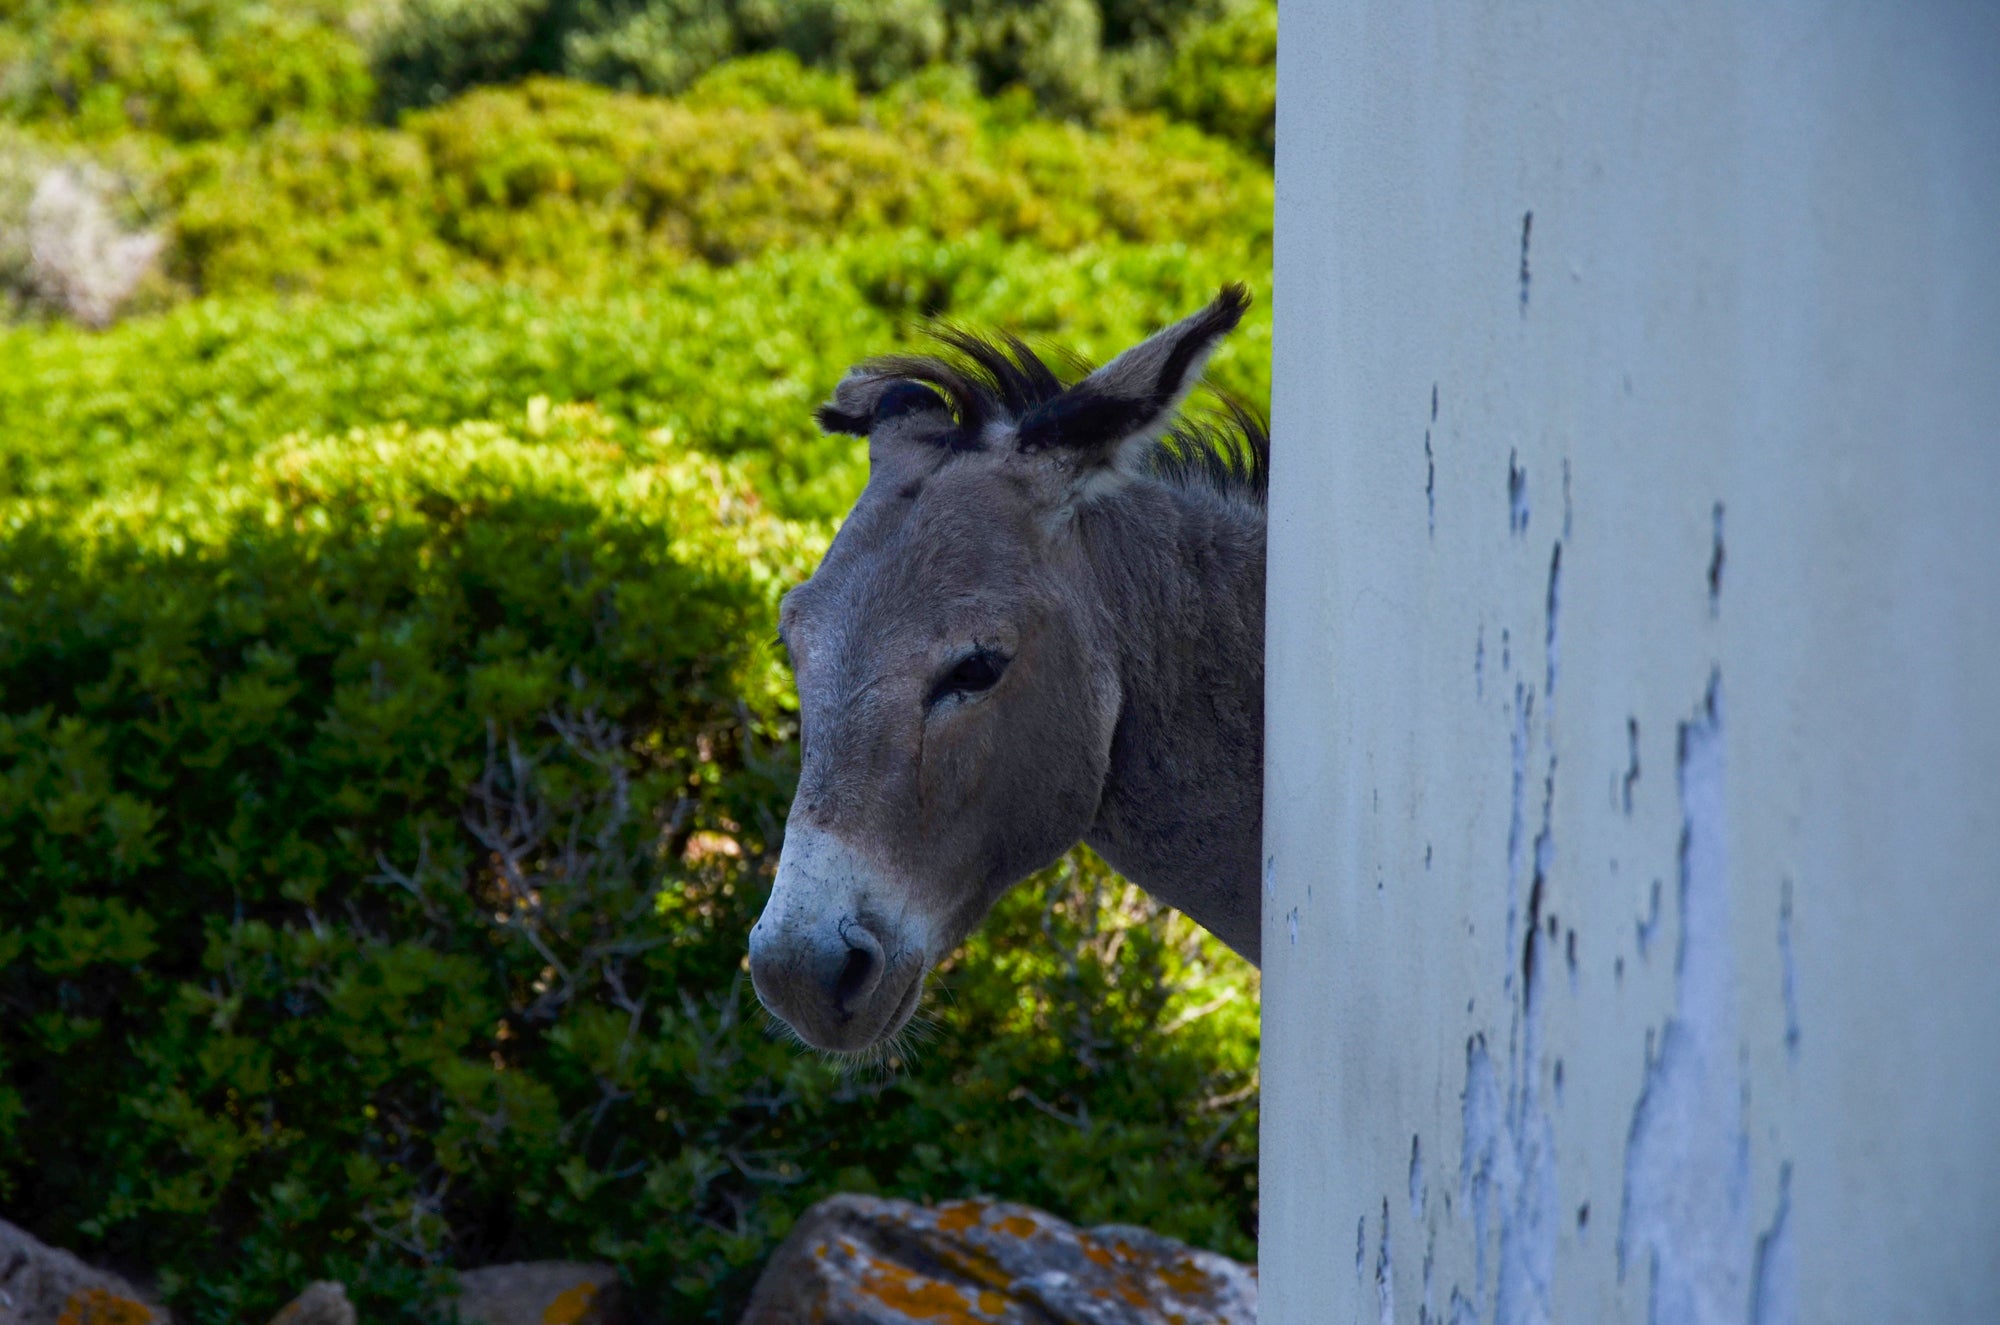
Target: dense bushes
(570,187)
(1223,79)
(1076,58)
(197,70)
(576,186)
(391,759)
(181,69)
(730,360)
(378,835)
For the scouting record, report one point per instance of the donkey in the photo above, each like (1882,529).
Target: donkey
(1043,621)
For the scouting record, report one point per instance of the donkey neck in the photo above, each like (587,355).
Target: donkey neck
(1179,577)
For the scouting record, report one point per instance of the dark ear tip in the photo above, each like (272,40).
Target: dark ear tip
(1231,302)
(834,419)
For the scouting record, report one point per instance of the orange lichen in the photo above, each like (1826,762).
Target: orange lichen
(1185,1277)
(916,1296)
(959,1216)
(570,1306)
(100,1306)
(992,1303)
(1019,1226)
(1095,1254)
(980,1267)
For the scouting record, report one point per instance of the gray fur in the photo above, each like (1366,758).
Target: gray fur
(1117,563)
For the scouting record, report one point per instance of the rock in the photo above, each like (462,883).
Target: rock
(541,1293)
(323,1303)
(40,1285)
(859,1260)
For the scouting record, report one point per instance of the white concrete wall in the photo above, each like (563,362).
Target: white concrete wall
(1632,931)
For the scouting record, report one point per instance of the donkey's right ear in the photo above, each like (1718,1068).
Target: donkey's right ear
(867,401)
(1108,422)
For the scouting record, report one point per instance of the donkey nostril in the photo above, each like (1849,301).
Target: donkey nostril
(856,977)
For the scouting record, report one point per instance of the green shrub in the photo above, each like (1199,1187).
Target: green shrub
(379,831)
(391,761)
(659,48)
(182,69)
(730,361)
(339,210)
(574,187)
(874,42)
(427,51)
(1224,78)
(776,80)
(1075,58)
(195,70)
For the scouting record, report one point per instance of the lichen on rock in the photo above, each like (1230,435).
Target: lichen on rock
(861,1260)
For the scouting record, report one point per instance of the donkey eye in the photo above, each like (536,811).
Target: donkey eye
(973,674)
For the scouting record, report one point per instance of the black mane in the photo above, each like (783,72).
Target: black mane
(1001,378)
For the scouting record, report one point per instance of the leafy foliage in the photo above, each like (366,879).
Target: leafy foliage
(1073,57)
(568,184)
(379,834)
(392,751)
(181,69)
(1221,79)
(733,359)
(198,70)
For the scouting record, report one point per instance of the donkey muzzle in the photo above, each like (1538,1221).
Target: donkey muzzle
(821,957)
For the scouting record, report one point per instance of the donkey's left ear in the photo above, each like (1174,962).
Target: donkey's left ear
(1107,422)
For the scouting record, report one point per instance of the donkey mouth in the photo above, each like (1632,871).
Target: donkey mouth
(905,1008)
(869,1045)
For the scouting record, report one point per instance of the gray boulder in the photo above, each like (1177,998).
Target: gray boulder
(541,1293)
(41,1285)
(323,1303)
(860,1260)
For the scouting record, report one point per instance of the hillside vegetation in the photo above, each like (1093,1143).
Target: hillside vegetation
(393,746)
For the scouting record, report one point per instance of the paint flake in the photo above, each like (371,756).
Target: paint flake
(1385,1278)
(1774,1293)
(1686,1211)
(1789,974)
(1554,607)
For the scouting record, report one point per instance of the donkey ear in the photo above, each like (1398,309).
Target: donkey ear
(1107,421)
(865,401)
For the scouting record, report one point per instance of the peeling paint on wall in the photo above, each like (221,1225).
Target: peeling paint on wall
(1774,1296)
(1485,1167)
(1427,1309)
(1385,1276)
(1507,1167)
(1527,225)
(1548,997)
(1686,1217)
(1517,494)
(1552,639)
(1419,1188)
(1430,467)
(1788,973)
(1648,926)
(1715,559)
(1631,778)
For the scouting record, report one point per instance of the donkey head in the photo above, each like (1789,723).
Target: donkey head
(958,685)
